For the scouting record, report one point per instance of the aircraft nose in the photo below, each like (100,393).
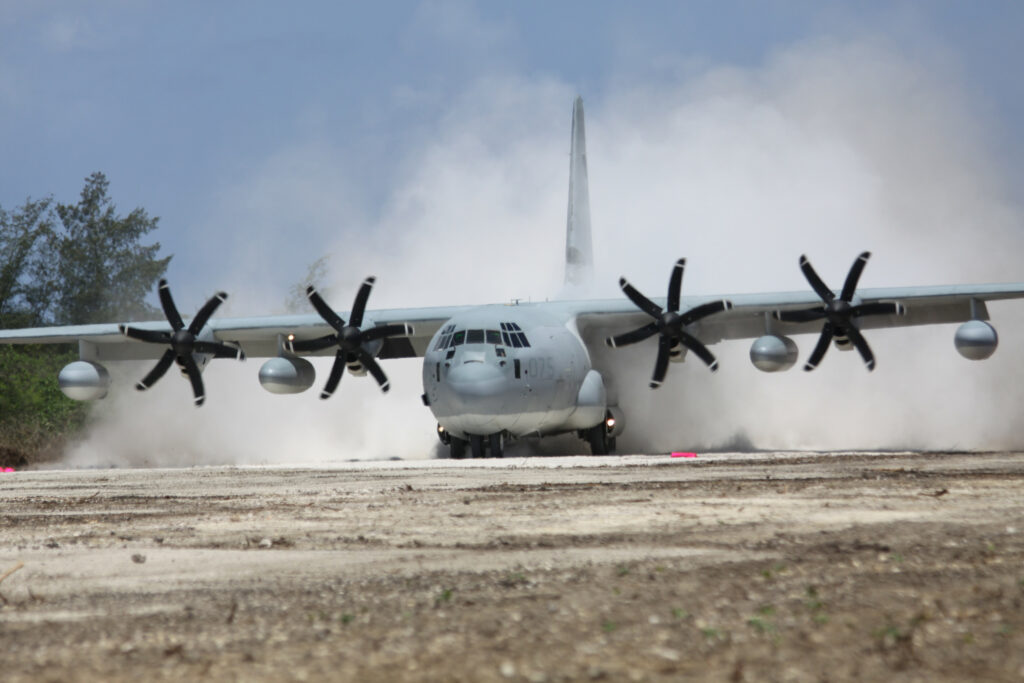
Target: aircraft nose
(475,381)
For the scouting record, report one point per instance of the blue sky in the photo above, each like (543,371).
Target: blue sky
(187,106)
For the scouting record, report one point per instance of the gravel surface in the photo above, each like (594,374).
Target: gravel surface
(742,567)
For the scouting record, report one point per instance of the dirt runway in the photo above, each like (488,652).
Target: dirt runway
(743,567)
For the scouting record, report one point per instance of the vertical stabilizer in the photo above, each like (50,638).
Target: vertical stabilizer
(579,252)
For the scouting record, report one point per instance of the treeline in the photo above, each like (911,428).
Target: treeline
(64,264)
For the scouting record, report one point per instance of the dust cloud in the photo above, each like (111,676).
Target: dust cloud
(827,148)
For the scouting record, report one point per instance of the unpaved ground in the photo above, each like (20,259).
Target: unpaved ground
(734,567)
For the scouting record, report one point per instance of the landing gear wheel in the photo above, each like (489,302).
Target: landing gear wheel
(458,448)
(598,438)
(476,445)
(496,445)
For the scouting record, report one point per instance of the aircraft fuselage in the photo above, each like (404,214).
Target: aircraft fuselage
(515,370)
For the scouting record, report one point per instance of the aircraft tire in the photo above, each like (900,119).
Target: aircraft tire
(476,445)
(457,447)
(496,445)
(597,436)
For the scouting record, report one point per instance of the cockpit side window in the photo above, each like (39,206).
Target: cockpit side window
(514,335)
(493,336)
(445,338)
(459,338)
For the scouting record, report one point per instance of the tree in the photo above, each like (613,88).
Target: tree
(23,235)
(100,272)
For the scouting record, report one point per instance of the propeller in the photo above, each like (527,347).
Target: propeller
(838,312)
(183,342)
(670,324)
(349,338)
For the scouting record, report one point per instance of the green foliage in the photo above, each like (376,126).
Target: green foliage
(101,272)
(22,234)
(35,417)
(65,264)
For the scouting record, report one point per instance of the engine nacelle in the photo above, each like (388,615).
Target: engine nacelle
(772,353)
(84,380)
(287,375)
(976,340)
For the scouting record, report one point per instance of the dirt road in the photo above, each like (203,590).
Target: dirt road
(793,567)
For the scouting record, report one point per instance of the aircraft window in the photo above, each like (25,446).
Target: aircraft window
(499,352)
(521,336)
(475,337)
(493,337)
(459,338)
(517,341)
(504,336)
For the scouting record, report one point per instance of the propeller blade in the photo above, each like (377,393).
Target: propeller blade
(371,364)
(804,316)
(151,336)
(819,351)
(675,285)
(661,363)
(382,331)
(642,302)
(879,308)
(302,345)
(359,305)
(336,371)
(158,371)
(704,310)
(816,282)
(853,277)
(167,303)
(695,345)
(325,311)
(194,376)
(637,335)
(219,349)
(861,344)
(203,316)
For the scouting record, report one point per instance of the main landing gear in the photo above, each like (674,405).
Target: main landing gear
(492,445)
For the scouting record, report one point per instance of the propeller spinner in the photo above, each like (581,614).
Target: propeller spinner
(838,312)
(183,342)
(349,338)
(669,323)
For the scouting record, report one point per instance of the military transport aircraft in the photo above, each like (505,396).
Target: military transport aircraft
(496,372)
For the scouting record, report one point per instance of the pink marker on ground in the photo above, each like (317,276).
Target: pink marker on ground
(678,454)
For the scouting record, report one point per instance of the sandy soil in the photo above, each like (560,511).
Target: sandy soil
(790,567)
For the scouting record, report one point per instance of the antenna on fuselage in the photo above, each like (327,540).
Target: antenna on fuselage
(579,251)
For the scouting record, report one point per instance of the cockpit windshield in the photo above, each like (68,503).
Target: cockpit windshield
(510,335)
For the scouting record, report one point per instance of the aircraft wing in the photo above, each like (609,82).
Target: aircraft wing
(751,315)
(258,336)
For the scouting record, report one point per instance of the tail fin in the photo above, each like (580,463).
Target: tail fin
(579,252)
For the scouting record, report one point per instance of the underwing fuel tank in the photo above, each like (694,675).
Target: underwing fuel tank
(84,380)
(772,353)
(287,375)
(976,340)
